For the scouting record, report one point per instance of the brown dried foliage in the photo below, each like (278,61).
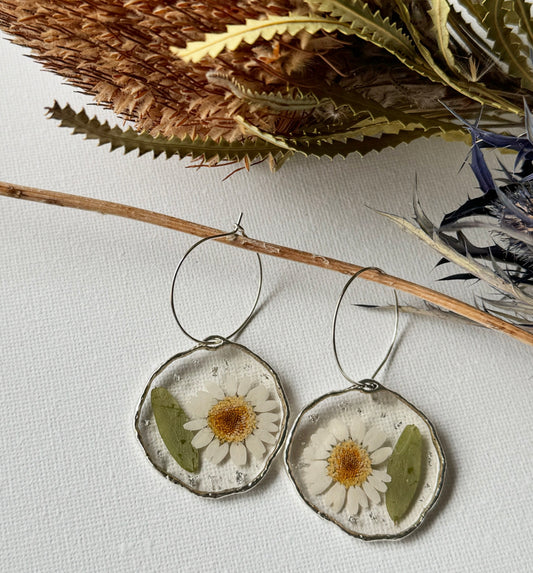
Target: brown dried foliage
(118,51)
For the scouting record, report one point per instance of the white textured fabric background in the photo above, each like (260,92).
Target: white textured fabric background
(85,320)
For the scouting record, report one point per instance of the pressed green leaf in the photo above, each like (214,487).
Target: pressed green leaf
(143,142)
(170,418)
(250,32)
(507,45)
(439,16)
(404,468)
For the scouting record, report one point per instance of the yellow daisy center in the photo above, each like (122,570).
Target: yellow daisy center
(232,419)
(349,464)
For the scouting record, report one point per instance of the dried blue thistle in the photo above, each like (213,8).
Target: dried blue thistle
(504,210)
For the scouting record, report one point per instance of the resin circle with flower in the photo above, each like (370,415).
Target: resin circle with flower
(236,418)
(225,407)
(366,460)
(343,464)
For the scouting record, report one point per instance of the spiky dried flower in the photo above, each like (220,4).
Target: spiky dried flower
(505,211)
(320,77)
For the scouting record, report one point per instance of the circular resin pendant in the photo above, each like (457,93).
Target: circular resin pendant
(367,460)
(212,418)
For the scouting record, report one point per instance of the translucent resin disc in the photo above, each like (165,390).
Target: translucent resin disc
(368,461)
(234,411)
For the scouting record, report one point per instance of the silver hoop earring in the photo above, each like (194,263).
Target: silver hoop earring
(365,458)
(212,418)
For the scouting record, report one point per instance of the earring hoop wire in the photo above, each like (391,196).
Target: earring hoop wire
(237,231)
(368,384)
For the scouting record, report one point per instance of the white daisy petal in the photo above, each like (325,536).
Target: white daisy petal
(322,453)
(244,387)
(267,426)
(312,453)
(357,430)
(373,439)
(264,436)
(215,390)
(231,387)
(380,455)
(202,438)
(377,484)
(339,429)
(335,497)
(205,395)
(360,495)
(220,453)
(201,404)
(323,438)
(352,501)
(212,449)
(255,445)
(237,451)
(381,475)
(257,395)
(371,493)
(197,424)
(268,417)
(317,484)
(266,406)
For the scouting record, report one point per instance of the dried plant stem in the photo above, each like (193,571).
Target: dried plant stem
(109,208)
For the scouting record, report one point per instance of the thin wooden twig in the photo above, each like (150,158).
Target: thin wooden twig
(110,208)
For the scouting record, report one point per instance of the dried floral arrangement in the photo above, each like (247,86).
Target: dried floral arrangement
(250,80)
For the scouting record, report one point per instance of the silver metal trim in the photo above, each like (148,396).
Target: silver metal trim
(371,384)
(238,230)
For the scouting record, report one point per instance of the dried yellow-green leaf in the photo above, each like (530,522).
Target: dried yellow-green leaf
(278,101)
(250,129)
(521,17)
(439,16)
(372,27)
(356,102)
(250,32)
(143,142)
(475,91)
(472,7)
(170,418)
(508,45)
(404,468)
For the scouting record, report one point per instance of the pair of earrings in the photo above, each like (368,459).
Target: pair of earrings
(213,418)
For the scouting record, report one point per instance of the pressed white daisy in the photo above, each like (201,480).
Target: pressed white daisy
(238,420)
(342,460)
